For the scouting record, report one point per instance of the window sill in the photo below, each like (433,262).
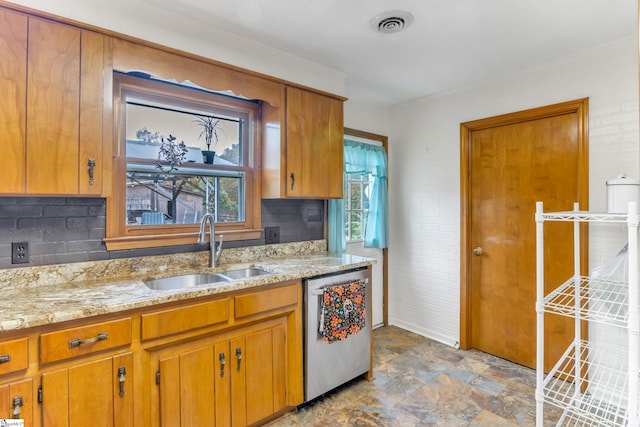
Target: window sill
(151,240)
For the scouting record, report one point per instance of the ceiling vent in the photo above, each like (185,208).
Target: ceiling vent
(391,22)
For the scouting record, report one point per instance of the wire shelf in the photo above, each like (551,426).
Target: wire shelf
(584,216)
(601,300)
(584,404)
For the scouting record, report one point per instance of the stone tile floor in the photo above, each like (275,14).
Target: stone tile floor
(420,382)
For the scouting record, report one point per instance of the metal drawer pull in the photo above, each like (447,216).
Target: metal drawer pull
(91,164)
(222,363)
(4,358)
(239,357)
(77,342)
(16,404)
(122,371)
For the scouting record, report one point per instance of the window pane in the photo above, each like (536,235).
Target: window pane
(366,191)
(355,219)
(356,196)
(154,198)
(356,205)
(147,125)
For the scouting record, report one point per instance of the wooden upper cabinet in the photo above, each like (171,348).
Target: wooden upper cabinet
(64,109)
(52,86)
(13,96)
(314,145)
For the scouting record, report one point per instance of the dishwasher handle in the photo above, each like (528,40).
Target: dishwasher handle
(320,291)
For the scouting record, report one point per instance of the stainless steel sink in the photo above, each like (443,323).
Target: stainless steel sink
(244,273)
(185,281)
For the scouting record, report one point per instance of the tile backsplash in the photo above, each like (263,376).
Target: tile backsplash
(63,230)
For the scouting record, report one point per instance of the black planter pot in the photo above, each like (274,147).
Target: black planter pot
(208,156)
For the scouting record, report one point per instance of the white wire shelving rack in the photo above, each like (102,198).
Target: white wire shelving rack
(593,386)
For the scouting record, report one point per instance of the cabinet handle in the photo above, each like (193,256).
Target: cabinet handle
(77,342)
(91,165)
(239,357)
(4,358)
(293,180)
(16,404)
(222,363)
(122,371)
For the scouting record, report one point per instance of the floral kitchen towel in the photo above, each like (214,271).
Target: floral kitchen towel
(343,311)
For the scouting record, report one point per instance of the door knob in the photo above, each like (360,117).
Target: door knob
(477,251)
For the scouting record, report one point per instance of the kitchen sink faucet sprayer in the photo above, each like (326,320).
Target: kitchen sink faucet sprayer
(214,254)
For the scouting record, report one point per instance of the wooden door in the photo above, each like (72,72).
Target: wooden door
(22,392)
(13,93)
(509,163)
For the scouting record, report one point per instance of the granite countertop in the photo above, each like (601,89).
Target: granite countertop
(36,296)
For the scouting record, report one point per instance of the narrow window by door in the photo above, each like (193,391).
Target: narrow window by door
(358,188)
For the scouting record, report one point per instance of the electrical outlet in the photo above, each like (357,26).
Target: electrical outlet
(20,253)
(271,235)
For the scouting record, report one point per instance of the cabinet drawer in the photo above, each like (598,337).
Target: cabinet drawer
(182,319)
(66,343)
(13,356)
(259,302)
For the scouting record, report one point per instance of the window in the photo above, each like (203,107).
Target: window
(356,205)
(167,177)
(363,213)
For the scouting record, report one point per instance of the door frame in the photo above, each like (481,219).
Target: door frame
(581,108)
(385,251)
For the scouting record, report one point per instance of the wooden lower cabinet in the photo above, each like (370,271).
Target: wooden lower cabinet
(230,360)
(233,379)
(16,401)
(98,393)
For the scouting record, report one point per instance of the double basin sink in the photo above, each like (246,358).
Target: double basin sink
(186,281)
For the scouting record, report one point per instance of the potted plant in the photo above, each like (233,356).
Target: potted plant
(209,127)
(171,155)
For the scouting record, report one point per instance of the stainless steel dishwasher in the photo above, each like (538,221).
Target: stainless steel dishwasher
(328,365)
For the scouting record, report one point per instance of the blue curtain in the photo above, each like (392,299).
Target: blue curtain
(363,159)
(335,226)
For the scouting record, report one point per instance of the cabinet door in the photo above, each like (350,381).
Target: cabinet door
(187,388)
(13,93)
(16,401)
(222,375)
(264,365)
(92,85)
(53,82)
(64,109)
(314,124)
(238,407)
(89,394)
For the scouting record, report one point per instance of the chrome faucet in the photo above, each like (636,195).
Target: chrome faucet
(214,254)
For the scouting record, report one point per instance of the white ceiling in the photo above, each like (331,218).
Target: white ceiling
(451,43)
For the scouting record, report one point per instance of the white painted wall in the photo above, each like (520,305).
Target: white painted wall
(424,156)
(366,117)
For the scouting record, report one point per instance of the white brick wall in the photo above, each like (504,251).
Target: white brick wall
(424,163)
